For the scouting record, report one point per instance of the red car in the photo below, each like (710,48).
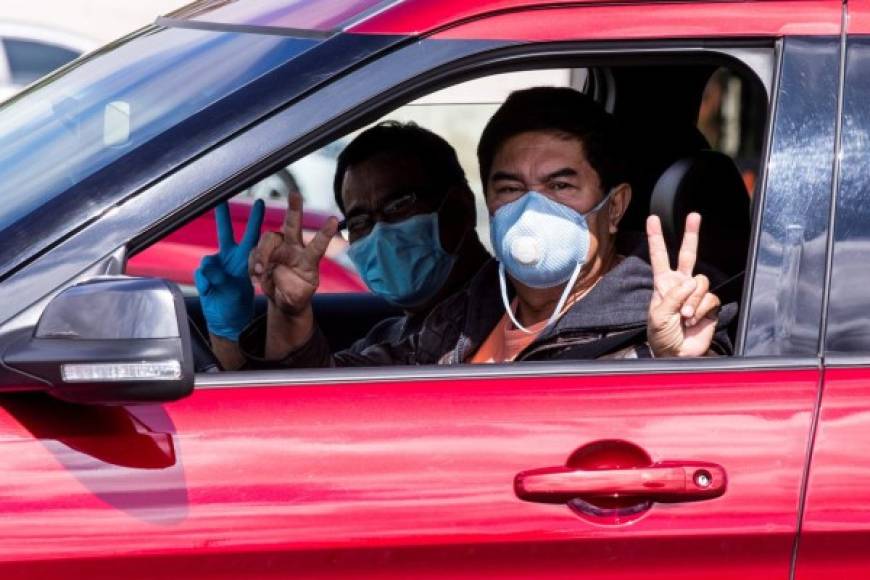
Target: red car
(120,460)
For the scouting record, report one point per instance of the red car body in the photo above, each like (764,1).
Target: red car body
(750,468)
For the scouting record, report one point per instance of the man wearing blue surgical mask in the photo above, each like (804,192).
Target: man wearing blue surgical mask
(556,188)
(395,183)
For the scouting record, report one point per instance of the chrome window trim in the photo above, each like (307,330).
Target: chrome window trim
(846,361)
(333,376)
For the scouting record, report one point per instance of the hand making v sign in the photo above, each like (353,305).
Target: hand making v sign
(682,312)
(287,270)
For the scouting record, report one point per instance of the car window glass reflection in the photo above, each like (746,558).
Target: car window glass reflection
(54,134)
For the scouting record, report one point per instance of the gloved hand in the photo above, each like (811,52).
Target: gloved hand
(225,290)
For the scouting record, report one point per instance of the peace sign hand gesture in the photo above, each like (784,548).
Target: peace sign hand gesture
(226,293)
(286,268)
(682,311)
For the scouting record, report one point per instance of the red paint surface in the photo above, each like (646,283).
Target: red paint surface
(859,17)
(836,527)
(520,20)
(176,256)
(402,479)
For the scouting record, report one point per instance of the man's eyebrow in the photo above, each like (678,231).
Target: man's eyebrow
(564,172)
(504,175)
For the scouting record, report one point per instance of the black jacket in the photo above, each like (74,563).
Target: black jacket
(610,321)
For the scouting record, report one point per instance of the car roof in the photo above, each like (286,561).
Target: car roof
(325,16)
(333,15)
(394,17)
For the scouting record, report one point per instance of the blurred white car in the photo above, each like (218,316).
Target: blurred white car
(28,53)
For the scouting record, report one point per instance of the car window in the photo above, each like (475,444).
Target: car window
(731,118)
(458,113)
(30,60)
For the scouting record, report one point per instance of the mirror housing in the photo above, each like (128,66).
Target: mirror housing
(112,341)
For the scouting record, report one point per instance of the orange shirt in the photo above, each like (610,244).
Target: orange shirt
(505,342)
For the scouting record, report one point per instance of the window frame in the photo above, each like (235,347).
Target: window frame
(448,76)
(216,176)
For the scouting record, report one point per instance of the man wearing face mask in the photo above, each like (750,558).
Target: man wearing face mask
(395,183)
(556,188)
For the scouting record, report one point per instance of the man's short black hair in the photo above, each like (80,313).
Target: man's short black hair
(563,111)
(438,158)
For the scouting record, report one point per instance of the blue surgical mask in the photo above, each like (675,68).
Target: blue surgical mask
(541,243)
(403,262)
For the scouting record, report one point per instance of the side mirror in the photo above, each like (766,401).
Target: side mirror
(113,340)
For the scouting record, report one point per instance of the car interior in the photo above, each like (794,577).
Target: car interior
(696,131)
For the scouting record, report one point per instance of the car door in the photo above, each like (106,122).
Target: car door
(836,527)
(458,471)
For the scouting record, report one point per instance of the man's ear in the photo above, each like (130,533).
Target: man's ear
(618,206)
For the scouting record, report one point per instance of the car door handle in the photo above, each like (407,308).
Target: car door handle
(667,481)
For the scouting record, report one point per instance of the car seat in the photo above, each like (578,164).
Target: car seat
(709,183)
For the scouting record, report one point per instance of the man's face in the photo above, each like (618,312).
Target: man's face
(385,187)
(555,166)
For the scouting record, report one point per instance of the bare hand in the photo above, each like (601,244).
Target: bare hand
(682,311)
(286,268)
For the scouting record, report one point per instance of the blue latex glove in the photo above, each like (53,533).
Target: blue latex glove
(225,290)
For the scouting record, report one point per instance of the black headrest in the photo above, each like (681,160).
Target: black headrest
(709,183)
(654,146)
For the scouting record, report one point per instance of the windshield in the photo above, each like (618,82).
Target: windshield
(105,108)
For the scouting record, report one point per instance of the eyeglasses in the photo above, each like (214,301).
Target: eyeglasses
(395,210)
